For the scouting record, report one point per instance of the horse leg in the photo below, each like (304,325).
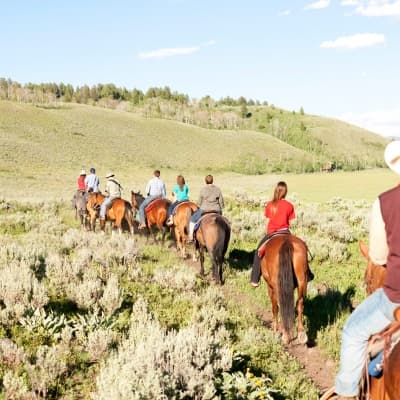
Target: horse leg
(301,294)
(275,308)
(201,256)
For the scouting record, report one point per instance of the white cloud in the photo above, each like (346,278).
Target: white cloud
(350,3)
(318,5)
(284,13)
(356,41)
(169,52)
(380,8)
(383,122)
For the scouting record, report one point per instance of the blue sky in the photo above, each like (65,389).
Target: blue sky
(333,58)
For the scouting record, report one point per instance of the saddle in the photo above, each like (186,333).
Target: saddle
(205,216)
(261,250)
(153,203)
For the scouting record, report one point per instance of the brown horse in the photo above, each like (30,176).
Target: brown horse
(213,235)
(120,210)
(388,386)
(181,219)
(284,265)
(156,213)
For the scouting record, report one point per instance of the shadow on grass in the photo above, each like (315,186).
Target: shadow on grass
(325,308)
(240,260)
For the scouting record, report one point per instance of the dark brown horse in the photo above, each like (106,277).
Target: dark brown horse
(284,266)
(181,220)
(156,212)
(120,210)
(213,235)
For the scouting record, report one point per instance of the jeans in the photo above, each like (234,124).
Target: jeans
(256,269)
(144,204)
(370,317)
(104,204)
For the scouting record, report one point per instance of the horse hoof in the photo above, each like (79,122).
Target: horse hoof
(302,338)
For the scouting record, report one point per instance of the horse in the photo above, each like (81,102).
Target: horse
(156,212)
(181,221)
(80,200)
(388,386)
(118,211)
(284,265)
(213,235)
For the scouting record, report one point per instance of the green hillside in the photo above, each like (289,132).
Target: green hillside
(51,143)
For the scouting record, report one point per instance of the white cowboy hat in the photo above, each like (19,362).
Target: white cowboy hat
(392,156)
(109,175)
(83,172)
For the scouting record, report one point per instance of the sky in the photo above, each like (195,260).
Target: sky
(334,58)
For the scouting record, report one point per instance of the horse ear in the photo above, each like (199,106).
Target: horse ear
(364,249)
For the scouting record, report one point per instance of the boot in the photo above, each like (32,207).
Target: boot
(170,221)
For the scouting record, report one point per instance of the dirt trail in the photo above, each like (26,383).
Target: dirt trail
(316,366)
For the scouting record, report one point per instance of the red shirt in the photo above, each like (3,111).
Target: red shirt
(81,182)
(279,218)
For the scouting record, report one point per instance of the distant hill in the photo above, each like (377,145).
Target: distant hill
(62,137)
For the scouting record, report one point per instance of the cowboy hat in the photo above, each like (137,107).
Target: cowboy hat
(109,175)
(83,172)
(392,156)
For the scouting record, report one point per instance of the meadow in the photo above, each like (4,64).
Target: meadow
(86,315)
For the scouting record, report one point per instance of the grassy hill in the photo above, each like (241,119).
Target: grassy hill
(49,144)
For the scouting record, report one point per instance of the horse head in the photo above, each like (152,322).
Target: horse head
(374,274)
(136,199)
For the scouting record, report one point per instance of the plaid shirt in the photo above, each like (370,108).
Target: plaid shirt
(156,187)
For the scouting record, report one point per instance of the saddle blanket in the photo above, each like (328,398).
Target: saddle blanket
(152,204)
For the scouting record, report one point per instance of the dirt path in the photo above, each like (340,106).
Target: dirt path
(316,366)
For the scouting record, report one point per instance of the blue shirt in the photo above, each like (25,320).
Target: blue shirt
(181,194)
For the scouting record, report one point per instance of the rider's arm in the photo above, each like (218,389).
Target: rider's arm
(378,248)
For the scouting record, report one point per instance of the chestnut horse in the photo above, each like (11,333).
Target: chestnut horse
(284,266)
(120,210)
(387,387)
(157,213)
(213,235)
(181,219)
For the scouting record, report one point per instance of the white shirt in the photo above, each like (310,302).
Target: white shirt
(156,187)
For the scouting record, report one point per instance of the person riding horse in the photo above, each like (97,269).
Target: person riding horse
(278,212)
(155,188)
(210,200)
(180,193)
(113,191)
(92,181)
(377,310)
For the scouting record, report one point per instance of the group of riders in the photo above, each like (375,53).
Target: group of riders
(370,317)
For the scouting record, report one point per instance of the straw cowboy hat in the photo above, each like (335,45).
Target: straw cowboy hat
(392,156)
(83,172)
(109,175)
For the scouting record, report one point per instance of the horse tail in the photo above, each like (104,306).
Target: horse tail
(187,214)
(222,242)
(286,285)
(128,213)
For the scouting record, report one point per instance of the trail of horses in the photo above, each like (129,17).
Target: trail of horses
(320,370)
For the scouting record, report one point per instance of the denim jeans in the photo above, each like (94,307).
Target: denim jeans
(370,317)
(144,204)
(104,204)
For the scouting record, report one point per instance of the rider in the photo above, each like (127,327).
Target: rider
(278,212)
(113,191)
(92,181)
(376,311)
(155,188)
(210,200)
(81,181)
(179,193)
